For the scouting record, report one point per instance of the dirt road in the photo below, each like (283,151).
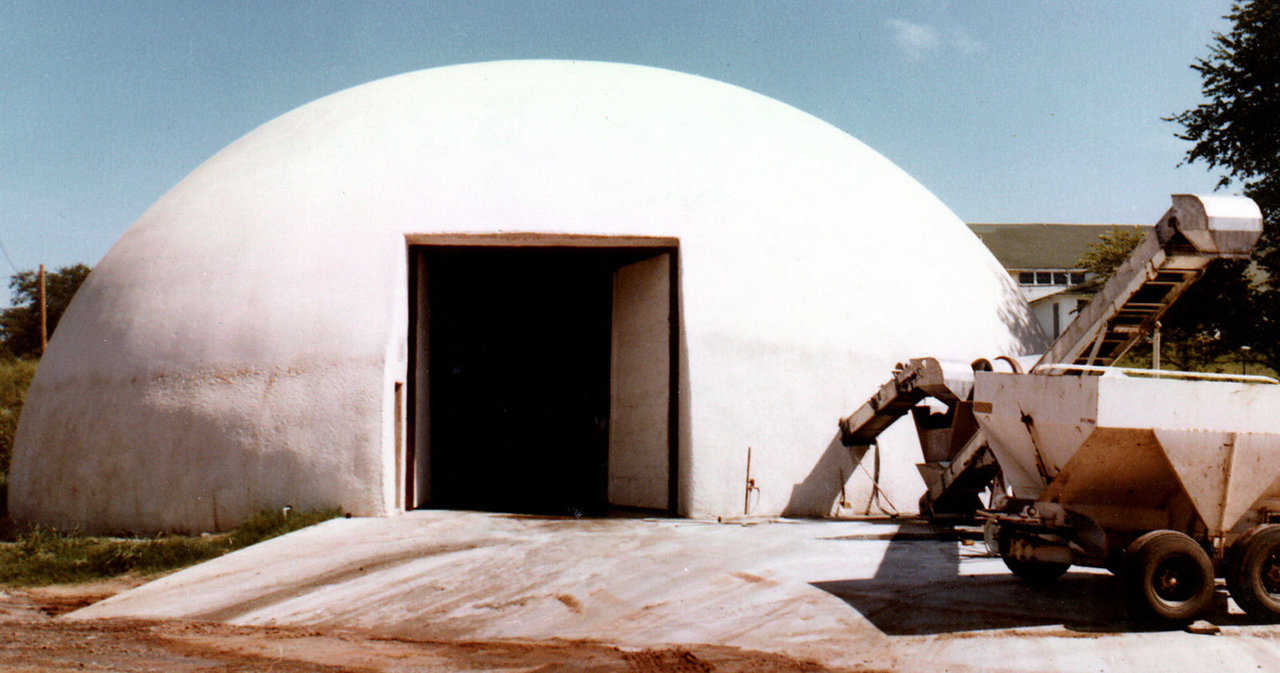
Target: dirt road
(33,640)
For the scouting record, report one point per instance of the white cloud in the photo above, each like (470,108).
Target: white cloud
(918,40)
(965,43)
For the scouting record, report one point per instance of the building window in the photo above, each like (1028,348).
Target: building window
(1064,278)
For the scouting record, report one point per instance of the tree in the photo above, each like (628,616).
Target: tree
(1107,253)
(1210,321)
(20,324)
(15,378)
(1237,130)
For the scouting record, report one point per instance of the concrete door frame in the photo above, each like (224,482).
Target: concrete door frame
(411,472)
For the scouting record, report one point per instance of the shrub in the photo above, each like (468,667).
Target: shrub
(270,523)
(42,555)
(15,378)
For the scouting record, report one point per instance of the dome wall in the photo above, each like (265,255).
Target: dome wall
(238,348)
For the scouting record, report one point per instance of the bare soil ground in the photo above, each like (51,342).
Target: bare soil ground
(32,639)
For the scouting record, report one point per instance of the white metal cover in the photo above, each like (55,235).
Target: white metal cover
(1094,440)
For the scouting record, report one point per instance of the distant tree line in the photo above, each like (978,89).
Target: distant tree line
(20,344)
(20,323)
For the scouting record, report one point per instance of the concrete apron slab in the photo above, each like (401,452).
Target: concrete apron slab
(842,593)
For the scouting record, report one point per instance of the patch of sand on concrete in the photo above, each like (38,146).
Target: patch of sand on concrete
(636,593)
(36,641)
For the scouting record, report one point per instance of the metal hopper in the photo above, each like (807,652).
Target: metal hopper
(1168,478)
(1138,450)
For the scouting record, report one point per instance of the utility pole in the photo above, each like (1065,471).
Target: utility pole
(44,315)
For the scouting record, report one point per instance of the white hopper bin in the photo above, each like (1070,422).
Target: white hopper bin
(1167,478)
(1135,452)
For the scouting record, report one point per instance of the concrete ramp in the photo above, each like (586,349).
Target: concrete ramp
(844,594)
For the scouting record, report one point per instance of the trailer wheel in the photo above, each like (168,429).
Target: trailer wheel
(1170,577)
(1031,572)
(1232,558)
(1253,576)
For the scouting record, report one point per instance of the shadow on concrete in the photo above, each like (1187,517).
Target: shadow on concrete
(1085,602)
(903,530)
(820,490)
(918,589)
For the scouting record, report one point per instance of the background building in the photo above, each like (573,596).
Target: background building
(1043,260)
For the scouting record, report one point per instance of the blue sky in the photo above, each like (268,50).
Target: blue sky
(1008,111)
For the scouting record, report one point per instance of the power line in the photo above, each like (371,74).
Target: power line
(8,258)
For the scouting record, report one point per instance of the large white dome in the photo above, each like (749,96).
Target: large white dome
(248,342)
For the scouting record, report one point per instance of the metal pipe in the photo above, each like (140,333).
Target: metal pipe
(1155,347)
(1148,373)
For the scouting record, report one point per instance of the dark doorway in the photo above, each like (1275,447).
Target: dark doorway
(519,379)
(543,374)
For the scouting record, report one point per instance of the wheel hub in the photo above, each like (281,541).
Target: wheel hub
(1172,581)
(1270,573)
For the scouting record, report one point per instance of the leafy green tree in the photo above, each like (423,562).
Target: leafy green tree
(1237,130)
(20,324)
(1211,321)
(1110,250)
(15,378)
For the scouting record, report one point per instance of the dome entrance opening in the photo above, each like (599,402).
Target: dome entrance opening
(542,377)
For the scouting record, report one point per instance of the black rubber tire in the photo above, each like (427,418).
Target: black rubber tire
(1170,577)
(1236,550)
(1231,561)
(1253,576)
(1031,572)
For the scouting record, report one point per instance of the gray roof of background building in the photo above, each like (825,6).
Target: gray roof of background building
(1041,246)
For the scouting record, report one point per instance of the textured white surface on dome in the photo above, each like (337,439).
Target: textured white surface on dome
(237,347)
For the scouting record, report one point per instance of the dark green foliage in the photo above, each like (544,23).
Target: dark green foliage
(20,324)
(15,377)
(46,556)
(42,555)
(1110,250)
(1237,130)
(1212,320)
(1207,325)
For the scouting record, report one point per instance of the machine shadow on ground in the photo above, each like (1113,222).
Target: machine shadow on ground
(919,589)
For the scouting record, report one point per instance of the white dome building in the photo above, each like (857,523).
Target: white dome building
(523,286)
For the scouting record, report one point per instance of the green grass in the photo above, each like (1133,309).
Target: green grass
(41,556)
(15,377)
(1234,363)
